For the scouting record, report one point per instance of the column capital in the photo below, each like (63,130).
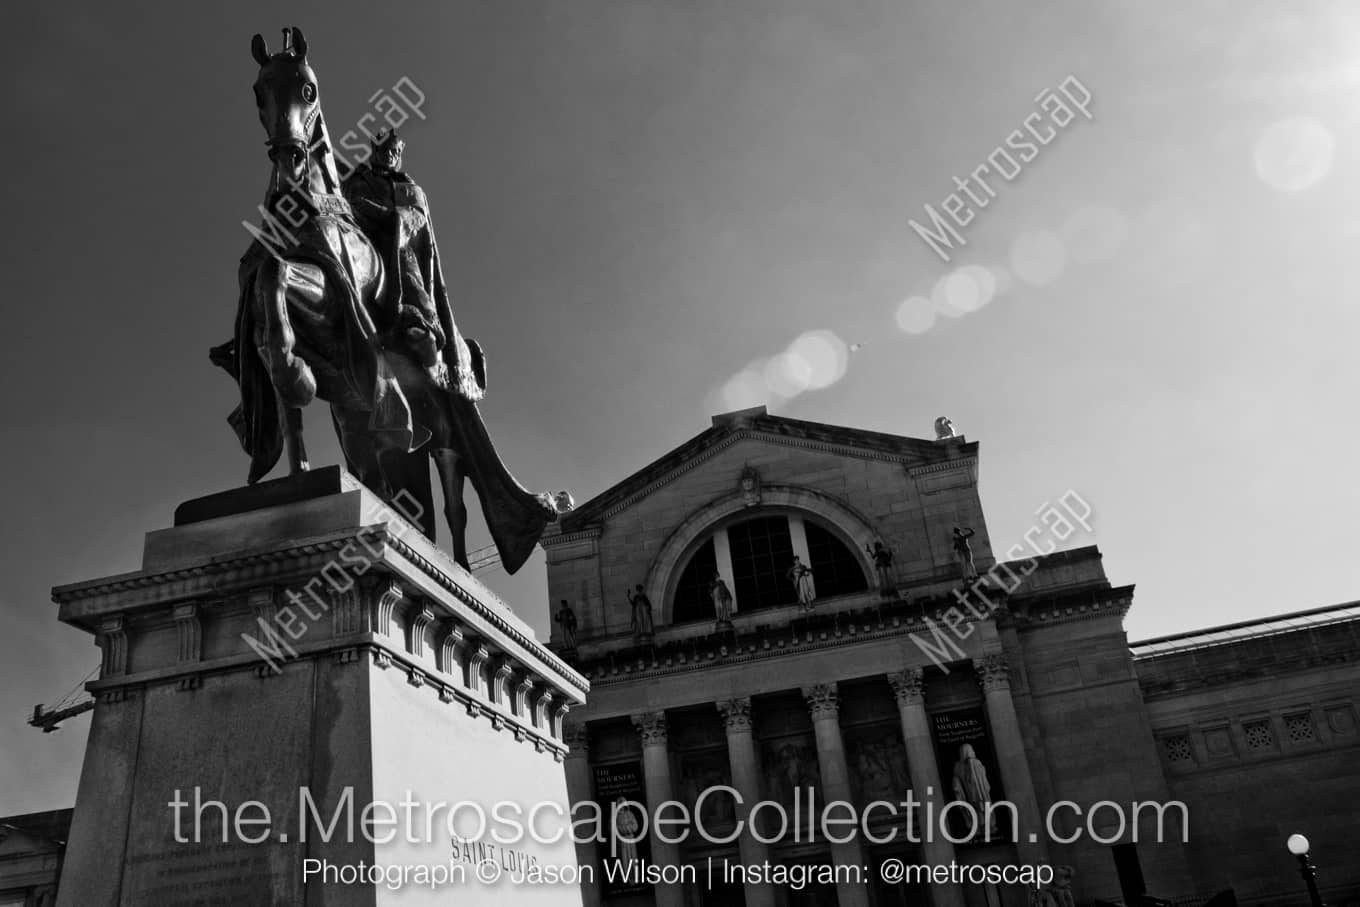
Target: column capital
(822,700)
(577,739)
(909,686)
(651,726)
(993,672)
(736,714)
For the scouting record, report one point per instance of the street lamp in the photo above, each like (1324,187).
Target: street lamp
(1298,846)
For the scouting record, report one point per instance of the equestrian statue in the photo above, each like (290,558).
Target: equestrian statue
(346,303)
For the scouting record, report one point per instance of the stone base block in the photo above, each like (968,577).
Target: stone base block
(303,701)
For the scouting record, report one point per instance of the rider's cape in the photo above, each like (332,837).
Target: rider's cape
(515,516)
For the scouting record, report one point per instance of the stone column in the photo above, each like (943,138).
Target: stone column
(909,690)
(994,675)
(656,767)
(824,704)
(580,789)
(741,750)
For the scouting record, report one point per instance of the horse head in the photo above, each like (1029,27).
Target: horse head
(289,104)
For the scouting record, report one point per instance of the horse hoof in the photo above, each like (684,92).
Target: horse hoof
(555,504)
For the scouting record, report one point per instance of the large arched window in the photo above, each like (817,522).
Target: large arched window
(754,555)
(762,550)
(692,598)
(835,569)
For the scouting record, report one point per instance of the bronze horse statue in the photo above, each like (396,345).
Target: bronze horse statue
(318,318)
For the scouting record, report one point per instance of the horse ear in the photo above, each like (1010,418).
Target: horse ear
(259,50)
(299,43)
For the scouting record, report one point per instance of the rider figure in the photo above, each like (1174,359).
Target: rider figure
(393,212)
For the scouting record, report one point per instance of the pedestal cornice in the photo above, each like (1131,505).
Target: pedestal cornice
(410,560)
(249,592)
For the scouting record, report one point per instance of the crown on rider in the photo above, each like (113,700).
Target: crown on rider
(387,139)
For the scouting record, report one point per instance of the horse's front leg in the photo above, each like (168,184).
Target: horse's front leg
(274,336)
(292,436)
(278,285)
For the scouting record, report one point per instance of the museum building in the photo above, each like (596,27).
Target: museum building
(871,680)
(884,675)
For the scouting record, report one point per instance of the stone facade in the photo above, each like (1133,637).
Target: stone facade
(31,848)
(915,684)
(1256,730)
(875,692)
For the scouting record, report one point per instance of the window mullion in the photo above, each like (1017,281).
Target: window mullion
(798,535)
(722,552)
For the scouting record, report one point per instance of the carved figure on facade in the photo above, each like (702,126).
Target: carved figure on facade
(800,575)
(706,772)
(641,607)
(790,771)
(566,619)
(963,553)
(749,486)
(1057,893)
(625,832)
(971,785)
(883,562)
(722,601)
(881,768)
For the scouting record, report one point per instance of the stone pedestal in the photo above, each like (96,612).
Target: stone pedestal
(312,689)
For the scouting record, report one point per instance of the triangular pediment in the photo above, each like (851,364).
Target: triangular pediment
(757,426)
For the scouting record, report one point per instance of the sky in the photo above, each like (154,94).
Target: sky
(643,206)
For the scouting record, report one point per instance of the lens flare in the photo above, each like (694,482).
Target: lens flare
(966,289)
(825,355)
(1038,258)
(1094,233)
(1294,153)
(787,374)
(744,389)
(916,315)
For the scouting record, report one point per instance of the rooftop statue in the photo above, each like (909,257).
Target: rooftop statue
(351,308)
